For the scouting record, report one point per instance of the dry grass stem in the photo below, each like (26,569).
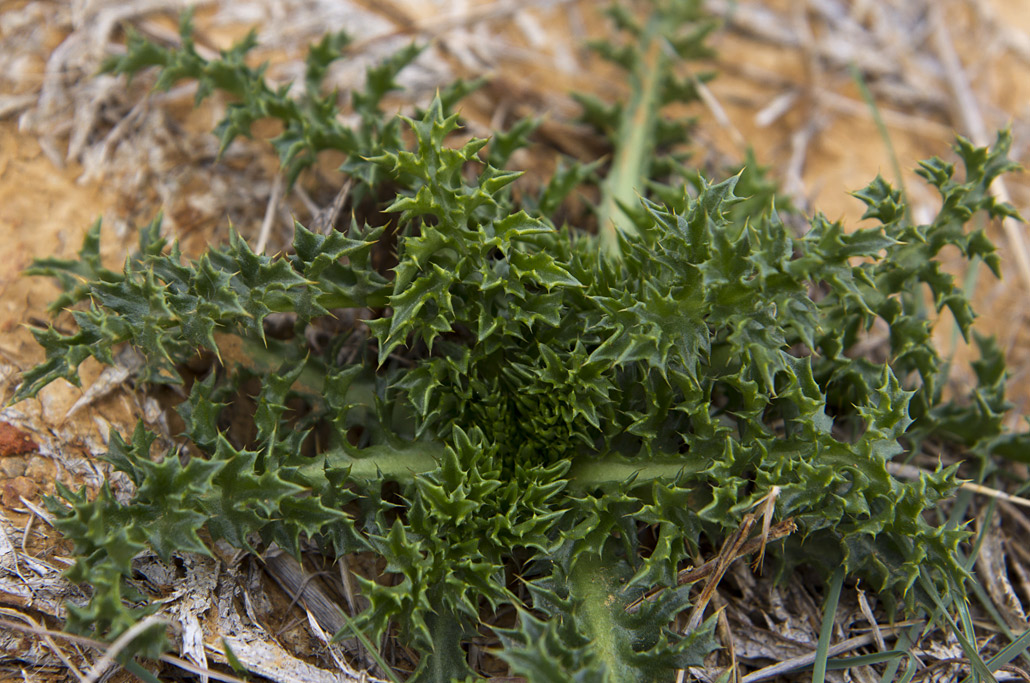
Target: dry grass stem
(867,612)
(912,472)
(709,568)
(37,511)
(972,121)
(270,211)
(768,505)
(731,548)
(719,113)
(802,661)
(324,220)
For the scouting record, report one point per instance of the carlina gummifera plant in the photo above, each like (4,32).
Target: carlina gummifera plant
(528,418)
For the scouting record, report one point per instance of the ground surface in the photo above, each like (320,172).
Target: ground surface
(785,88)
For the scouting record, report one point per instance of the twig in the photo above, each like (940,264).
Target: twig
(25,533)
(303,588)
(994,573)
(117,134)
(38,511)
(726,557)
(270,211)
(1019,568)
(7,548)
(349,594)
(119,644)
(439,25)
(794,184)
(966,108)
(309,203)
(15,104)
(779,106)
(776,532)
(710,101)
(726,635)
(323,221)
(1017,515)
(769,26)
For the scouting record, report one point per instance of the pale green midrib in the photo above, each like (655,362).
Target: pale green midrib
(591,584)
(401,462)
(634,144)
(588,472)
(397,463)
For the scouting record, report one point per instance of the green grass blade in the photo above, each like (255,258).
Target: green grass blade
(910,670)
(881,126)
(1016,648)
(1010,652)
(838,663)
(971,560)
(992,611)
(233,660)
(980,669)
(978,590)
(826,631)
(965,620)
(372,649)
(136,669)
(904,642)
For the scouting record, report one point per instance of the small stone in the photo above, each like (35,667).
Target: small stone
(40,469)
(18,488)
(13,466)
(14,441)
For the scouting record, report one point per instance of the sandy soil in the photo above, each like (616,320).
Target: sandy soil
(823,144)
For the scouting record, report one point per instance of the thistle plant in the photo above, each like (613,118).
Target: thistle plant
(567,418)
